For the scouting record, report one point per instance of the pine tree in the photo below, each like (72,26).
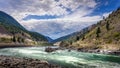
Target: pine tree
(14,39)
(22,40)
(77,38)
(103,17)
(107,26)
(19,39)
(83,37)
(98,31)
(70,42)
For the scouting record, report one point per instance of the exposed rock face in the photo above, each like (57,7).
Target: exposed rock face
(11,62)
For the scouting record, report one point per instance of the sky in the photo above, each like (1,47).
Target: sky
(57,18)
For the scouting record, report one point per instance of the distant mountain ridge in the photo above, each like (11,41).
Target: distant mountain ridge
(18,34)
(49,39)
(73,35)
(64,37)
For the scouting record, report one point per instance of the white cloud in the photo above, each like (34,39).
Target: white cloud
(68,23)
(59,27)
(21,8)
(106,14)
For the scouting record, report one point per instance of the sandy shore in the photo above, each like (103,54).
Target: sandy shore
(12,62)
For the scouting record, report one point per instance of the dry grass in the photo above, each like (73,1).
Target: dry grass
(110,46)
(91,46)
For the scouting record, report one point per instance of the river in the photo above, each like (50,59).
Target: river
(72,59)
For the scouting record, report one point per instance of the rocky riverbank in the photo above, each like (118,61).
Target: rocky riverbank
(14,45)
(98,51)
(12,62)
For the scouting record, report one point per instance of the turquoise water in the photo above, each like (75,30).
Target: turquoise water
(64,58)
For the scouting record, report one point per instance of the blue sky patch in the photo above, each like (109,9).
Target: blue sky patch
(106,6)
(40,17)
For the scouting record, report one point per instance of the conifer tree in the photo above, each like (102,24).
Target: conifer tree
(107,26)
(98,31)
(14,39)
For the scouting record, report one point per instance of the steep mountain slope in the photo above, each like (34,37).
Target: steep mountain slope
(4,31)
(106,31)
(105,34)
(17,33)
(7,19)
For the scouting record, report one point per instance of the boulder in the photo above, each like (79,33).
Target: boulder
(49,49)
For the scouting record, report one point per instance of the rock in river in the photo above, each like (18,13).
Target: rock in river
(49,49)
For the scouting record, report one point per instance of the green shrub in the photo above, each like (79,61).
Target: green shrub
(109,41)
(5,40)
(116,34)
